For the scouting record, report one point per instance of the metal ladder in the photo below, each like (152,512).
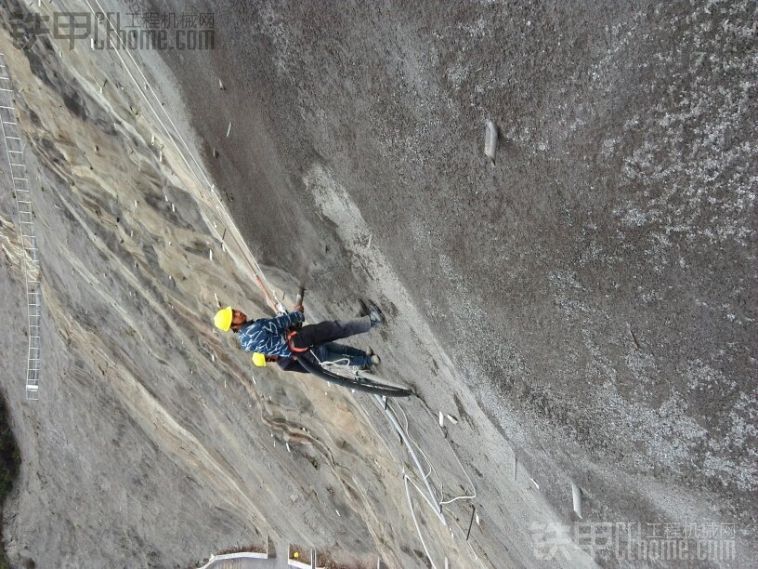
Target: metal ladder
(14,153)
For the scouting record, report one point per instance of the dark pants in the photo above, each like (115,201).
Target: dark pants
(330,352)
(316,334)
(340,353)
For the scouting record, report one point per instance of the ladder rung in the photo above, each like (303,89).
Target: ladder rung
(20,179)
(10,123)
(7,107)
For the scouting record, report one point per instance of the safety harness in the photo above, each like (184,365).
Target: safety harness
(290,337)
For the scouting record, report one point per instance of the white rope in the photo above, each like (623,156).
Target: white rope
(407,479)
(413,441)
(472,495)
(266,288)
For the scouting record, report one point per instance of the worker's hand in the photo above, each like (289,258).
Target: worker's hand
(299,300)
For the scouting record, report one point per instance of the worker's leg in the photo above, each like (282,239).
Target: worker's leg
(323,332)
(332,352)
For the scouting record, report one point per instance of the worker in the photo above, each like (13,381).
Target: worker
(285,336)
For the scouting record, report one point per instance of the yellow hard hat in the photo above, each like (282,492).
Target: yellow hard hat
(259,359)
(223,319)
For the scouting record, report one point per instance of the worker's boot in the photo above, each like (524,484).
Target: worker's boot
(373,312)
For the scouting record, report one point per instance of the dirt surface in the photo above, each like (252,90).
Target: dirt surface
(585,306)
(595,288)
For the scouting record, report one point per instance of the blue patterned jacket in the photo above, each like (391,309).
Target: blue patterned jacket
(268,335)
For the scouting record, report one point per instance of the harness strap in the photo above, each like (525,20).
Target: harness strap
(290,337)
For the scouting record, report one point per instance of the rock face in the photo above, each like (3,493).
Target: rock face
(585,306)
